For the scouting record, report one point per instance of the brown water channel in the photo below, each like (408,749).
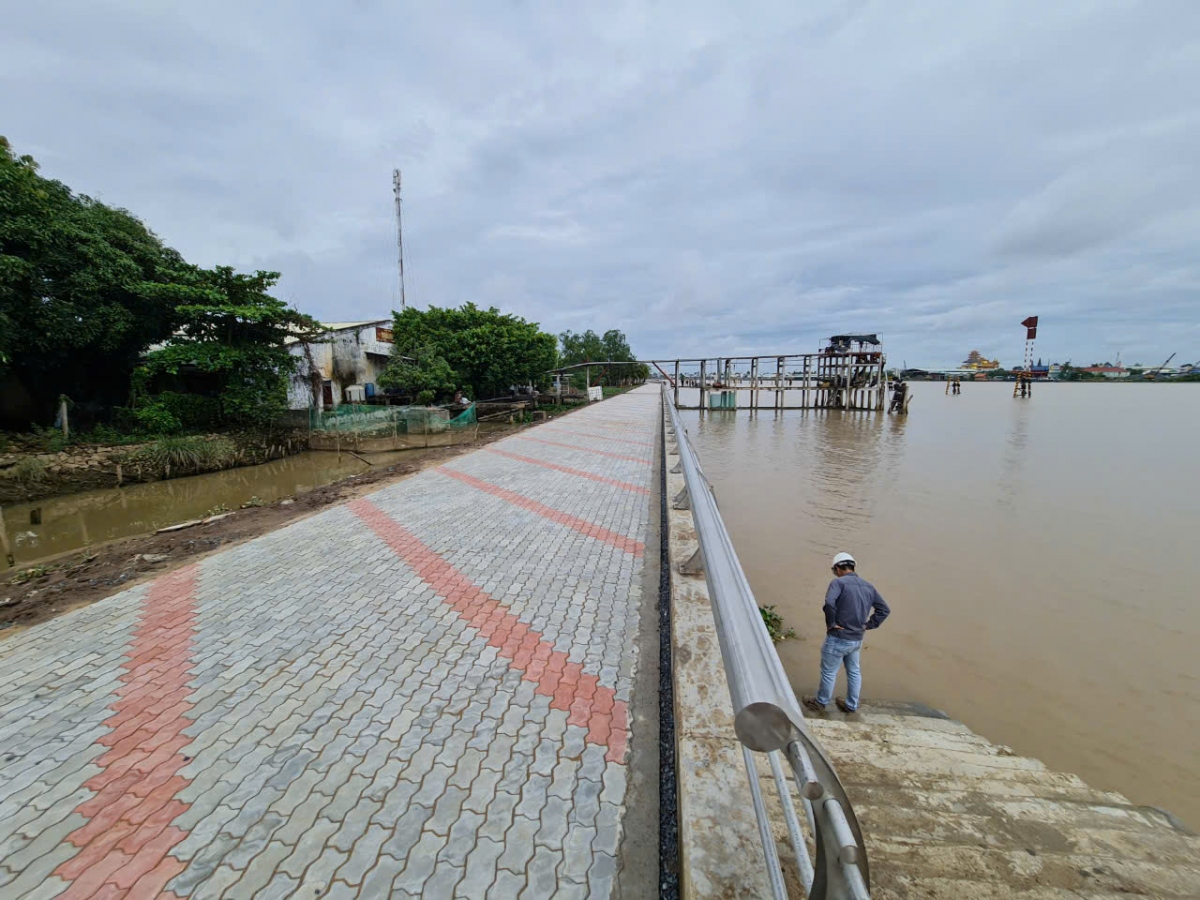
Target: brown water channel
(1040,558)
(78,520)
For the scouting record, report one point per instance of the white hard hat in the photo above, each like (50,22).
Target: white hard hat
(843,558)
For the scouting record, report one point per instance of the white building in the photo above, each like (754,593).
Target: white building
(342,367)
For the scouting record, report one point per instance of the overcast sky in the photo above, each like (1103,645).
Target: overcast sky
(708,177)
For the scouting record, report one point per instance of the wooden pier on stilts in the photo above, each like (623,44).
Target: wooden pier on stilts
(848,373)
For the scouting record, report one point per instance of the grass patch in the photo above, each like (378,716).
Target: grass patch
(108,436)
(28,471)
(184,455)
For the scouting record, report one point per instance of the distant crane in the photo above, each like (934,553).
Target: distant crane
(1154,373)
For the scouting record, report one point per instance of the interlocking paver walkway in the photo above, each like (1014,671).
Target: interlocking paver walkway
(423,692)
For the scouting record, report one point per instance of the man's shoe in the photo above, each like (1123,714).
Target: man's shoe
(841,704)
(810,703)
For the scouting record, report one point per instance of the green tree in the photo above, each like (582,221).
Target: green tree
(73,315)
(424,376)
(612,347)
(487,351)
(230,342)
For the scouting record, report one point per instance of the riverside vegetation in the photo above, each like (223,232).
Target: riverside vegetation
(165,368)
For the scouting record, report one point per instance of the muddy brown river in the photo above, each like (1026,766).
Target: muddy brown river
(1040,558)
(78,520)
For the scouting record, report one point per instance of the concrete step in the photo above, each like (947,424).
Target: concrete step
(1076,836)
(1058,813)
(947,814)
(904,887)
(865,717)
(1022,870)
(1002,784)
(906,735)
(909,745)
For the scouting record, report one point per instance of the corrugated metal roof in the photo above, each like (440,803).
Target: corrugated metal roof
(345,326)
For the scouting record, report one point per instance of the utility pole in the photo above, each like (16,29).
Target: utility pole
(399,233)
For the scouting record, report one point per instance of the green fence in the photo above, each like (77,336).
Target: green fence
(367,421)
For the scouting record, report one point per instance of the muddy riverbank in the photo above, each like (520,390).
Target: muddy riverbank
(28,474)
(33,593)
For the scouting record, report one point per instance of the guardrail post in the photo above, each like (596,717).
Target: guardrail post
(693,565)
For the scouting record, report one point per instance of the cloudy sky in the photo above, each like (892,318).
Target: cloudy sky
(708,177)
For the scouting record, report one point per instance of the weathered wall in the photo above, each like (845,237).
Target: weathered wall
(350,356)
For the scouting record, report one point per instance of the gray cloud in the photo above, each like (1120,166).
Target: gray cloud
(706,177)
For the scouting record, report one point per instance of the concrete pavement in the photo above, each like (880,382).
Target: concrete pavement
(424,692)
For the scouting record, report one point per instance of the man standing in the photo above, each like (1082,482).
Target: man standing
(852,607)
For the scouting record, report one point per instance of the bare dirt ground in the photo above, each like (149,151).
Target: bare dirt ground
(33,595)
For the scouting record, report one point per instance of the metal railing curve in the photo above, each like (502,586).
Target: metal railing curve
(767,715)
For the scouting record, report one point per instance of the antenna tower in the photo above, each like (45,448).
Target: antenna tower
(399,233)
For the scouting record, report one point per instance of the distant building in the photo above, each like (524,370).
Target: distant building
(1161,371)
(1108,370)
(977,362)
(342,367)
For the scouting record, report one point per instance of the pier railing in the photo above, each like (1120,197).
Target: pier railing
(767,716)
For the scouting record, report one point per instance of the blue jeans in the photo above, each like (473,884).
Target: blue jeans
(834,652)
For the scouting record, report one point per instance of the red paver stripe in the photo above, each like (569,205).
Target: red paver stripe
(636,459)
(590,704)
(123,846)
(599,532)
(624,485)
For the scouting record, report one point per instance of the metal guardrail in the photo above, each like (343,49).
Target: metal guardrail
(767,716)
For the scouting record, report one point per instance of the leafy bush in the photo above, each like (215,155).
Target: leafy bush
(109,435)
(774,623)
(48,439)
(421,375)
(29,470)
(188,455)
(195,412)
(155,418)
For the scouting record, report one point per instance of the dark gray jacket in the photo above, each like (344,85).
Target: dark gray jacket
(849,602)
